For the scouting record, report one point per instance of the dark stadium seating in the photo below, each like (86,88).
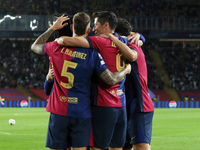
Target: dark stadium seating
(181,60)
(193,95)
(40,93)
(12,94)
(161,95)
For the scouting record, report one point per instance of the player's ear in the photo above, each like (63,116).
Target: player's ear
(88,30)
(106,24)
(71,27)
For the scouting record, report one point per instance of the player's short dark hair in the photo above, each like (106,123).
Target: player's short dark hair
(123,27)
(106,16)
(80,22)
(66,31)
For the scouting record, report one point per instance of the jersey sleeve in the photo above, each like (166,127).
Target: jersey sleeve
(49,47)
(48,86)
(142,38)
(133,47)
(96,42)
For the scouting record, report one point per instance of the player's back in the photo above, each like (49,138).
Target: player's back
(136,83)
(73,68)
(109,96)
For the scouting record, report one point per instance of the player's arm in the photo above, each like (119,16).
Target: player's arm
(73,41)
(126,51)
(113,78)
(48,86)
(37,45)
(50,75)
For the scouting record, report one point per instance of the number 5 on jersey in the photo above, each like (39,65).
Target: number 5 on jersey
(69,75)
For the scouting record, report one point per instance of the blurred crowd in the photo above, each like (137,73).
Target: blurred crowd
(182,63)
(155,82)
(19,65)
(128,8)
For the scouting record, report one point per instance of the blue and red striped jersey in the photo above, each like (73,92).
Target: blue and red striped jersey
(137,92)
(103,94)
(73,69)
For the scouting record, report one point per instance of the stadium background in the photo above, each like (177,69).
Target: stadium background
(171,29)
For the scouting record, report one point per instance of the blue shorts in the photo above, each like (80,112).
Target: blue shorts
(140,128)
(64,132)
(109,125)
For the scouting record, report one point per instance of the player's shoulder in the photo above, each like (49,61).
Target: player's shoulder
(98,38)
(87,50)
(52,44)
(123,39)
(133,46)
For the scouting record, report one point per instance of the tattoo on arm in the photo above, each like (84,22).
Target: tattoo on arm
(112,78)
(37,45)
(44,37)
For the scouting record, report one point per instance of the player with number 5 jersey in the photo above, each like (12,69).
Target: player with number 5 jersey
(109,103)
(69,104)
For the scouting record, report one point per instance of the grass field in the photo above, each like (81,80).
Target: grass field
(173,129)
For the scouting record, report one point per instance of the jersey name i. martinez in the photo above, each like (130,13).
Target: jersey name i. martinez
(73,68)
(137,91)
(103,94)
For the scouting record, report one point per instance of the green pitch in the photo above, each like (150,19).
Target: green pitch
(176,129)
(173,129)
(29,132)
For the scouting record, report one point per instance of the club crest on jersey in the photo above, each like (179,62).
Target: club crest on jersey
(120,92)
(72,100)
(116,92)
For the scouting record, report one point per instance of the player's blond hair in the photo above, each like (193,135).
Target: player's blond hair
(81,22)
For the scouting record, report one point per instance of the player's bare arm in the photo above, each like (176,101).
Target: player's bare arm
(113,78)
(37,45)
(126,51)
(73,41)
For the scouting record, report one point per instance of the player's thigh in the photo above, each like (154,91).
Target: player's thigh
(104,120)
(57,134)
(80,131)
(80,148)
(142,146)
(140,127)
(119,135)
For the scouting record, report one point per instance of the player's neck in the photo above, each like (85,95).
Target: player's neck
(84,35)
(108,31)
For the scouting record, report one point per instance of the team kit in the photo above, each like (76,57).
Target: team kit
(97,85)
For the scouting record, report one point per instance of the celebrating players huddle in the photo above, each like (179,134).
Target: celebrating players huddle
(93,79)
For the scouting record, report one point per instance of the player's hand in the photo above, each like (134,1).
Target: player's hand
(50,75)
(59,22)
(128,68)
(135,38)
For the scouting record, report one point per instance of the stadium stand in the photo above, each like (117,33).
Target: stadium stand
(40,93)
(18,65)
(161,95)
(192,95)
(12,94)
(181,61)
